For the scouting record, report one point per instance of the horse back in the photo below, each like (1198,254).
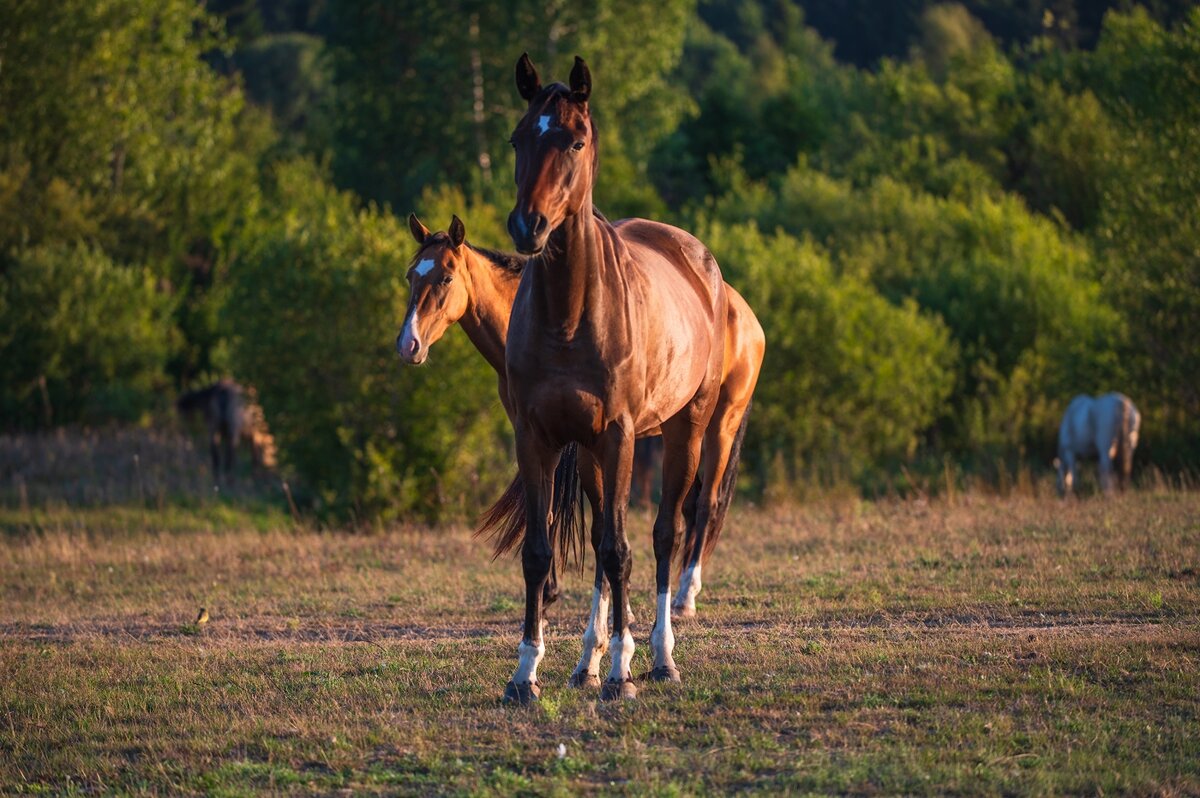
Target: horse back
(673,262)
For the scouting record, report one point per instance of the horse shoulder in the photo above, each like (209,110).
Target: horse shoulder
(672,260)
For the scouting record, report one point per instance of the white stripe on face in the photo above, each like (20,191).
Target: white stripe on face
(543,124)
(409,335)
(423,267)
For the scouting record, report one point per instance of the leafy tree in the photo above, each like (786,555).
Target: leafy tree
(317,298)
(1148,78)
(848,379)
(118,133)
(82,339)
(425,93)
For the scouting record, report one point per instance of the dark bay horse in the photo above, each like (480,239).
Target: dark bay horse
(616,331)
(452,281)
(231,416)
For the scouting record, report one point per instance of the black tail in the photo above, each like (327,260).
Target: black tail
(504,522)
(725,493)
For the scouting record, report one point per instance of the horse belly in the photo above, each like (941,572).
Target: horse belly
(561,412)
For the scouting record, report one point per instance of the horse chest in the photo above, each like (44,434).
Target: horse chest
(560,394)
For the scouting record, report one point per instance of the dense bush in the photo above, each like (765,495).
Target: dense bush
(946,235)
(1017,293)
(81,338)
(848,379)
(317,298)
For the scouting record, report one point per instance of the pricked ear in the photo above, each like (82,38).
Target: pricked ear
(528,82)
(419,231)
(581,81)
(458,232)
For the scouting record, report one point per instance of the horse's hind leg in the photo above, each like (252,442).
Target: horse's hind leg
(1106,471)
(706,504)
(214,448)
(682,438)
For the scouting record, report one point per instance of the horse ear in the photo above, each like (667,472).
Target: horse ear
(458,232)
(581,81)
(528,82)
(419,231)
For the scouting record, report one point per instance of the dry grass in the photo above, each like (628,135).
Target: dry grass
(148,467)
(980,646)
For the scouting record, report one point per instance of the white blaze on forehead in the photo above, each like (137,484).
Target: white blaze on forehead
(543,124)
(423,267)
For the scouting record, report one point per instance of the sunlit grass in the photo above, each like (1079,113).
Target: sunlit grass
(982,646)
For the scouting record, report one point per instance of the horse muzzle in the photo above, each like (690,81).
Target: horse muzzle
(410,349)
(528,231)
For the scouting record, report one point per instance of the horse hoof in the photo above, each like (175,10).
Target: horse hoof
(681,613)
(582,679)
(612,691)
(522,694)
(665,673)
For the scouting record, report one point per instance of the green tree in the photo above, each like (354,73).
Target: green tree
(81,339)
(425,93)
(849,379)
(316,300)
(118,133)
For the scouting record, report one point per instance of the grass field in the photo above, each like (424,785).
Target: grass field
(974,646)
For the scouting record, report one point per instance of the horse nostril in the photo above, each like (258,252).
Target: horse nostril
(539,224)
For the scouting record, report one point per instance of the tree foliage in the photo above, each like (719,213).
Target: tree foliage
(950,217)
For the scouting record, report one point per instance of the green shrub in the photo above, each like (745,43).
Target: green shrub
(848,379)
(81,339)
(316,300)
(1018,294)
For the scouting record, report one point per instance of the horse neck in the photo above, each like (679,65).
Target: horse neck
(488,309)
(573,270)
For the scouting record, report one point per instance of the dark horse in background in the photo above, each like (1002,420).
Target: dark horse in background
(231,416)
(617,332)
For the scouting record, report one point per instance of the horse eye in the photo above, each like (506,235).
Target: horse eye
(446,280)
(577,146)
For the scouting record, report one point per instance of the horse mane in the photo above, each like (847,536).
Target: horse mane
(506,261)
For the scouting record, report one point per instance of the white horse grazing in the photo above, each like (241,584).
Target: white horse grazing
(1104,427)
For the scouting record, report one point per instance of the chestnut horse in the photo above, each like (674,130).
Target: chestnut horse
(616,331)
(452,281)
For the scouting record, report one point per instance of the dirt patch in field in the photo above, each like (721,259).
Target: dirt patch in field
(288,630)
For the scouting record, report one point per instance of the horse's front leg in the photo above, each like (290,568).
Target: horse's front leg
(537,464)
(615,556)
(595,637)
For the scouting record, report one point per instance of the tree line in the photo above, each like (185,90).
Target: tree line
(949,217)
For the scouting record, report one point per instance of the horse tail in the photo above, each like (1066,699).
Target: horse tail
(725,493)
(567,529)
(504,522)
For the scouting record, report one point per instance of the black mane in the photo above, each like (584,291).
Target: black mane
(508,261)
